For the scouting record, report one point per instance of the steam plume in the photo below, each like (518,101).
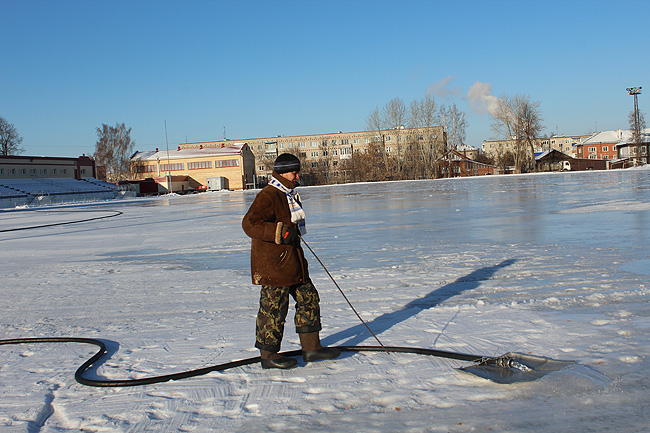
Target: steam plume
(481,99)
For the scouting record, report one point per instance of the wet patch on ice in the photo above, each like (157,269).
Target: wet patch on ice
(573,380)
(641,267)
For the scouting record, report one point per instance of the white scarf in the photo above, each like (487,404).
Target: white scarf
(297,214)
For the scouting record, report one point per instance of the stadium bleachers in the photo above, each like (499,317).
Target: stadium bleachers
(14,192)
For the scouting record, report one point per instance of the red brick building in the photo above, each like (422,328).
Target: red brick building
(602,145)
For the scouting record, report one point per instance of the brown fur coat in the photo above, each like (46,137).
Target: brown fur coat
(272,263)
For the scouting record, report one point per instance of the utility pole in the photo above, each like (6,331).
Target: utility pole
(636,134)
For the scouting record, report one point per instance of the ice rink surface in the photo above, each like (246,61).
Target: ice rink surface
(555,265)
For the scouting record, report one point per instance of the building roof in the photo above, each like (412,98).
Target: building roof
(465,147)
(197,152)
(619,137)
(553,155)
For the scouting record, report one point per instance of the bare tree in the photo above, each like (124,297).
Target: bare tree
(394,114)
(375,122)
(427,148)
(113,151)
(530,123)
(9,139)
(365,166)
(637,125)
(518,119)
(455,125)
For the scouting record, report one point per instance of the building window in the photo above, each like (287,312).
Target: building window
(355,141)
(147,169)
(605,149)
(171,167)
(314,164)
(301,144)
(199,164)
(314,144)
(226,163)
(345,141)
(314,154)
(592,150)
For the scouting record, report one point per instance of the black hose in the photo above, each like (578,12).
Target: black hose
(116,213)
(219,367)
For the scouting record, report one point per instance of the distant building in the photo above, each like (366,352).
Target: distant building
(42,167)
(565,144)
(324,153)
(459,164)
(618,147)
(191,167)
(40,180)
(602,145)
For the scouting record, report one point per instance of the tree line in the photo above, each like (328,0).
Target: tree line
(424,135)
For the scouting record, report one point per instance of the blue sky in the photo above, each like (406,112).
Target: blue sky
(265,68)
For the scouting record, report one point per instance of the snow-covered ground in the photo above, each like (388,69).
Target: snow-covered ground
(554,265)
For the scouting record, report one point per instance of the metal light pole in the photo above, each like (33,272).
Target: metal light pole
(634,91)
(169,167)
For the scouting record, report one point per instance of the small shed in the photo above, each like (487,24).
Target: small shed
(550,160)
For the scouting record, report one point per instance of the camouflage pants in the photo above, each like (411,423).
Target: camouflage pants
(274,306)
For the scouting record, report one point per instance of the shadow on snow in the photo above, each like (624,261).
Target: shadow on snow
(356,334)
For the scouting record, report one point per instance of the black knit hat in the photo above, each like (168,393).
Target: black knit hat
(286,163)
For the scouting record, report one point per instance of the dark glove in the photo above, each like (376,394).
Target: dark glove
(289,235)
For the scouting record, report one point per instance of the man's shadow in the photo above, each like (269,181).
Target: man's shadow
(359,333)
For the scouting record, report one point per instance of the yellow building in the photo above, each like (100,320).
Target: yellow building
(230,165)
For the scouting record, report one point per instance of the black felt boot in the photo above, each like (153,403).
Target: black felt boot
(312,350)
(275,360)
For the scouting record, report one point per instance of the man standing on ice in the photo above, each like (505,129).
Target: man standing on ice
(275,221)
